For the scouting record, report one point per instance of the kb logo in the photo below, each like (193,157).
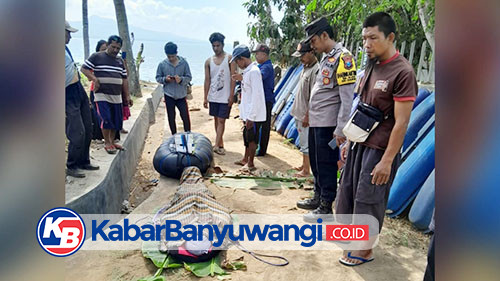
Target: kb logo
(61,232)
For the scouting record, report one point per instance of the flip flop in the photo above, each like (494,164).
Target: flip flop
(110,149)
(363,260)
(248,169)
(119,147)
(220,151)
(239,162)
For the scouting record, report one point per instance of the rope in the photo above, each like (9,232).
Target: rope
(257,256)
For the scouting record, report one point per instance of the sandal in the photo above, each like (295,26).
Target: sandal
(220,151)
(240,163)
(246,168)
(363,260)
(119,147)
(110,149)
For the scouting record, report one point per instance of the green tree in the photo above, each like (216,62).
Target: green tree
(133,76)
(414,18)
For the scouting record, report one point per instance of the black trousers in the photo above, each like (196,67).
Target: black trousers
(429,271)
(181,104)
(78,126)
(265,131)
(323,161)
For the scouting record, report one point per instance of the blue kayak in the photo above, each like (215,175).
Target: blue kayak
(297,140)
(411,175)
(283,80)
(423,206)
(289,127)
(286,117)
(293,134)
(419,116)
(287,90)
(423,93)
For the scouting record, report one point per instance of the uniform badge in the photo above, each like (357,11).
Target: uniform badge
(332,59)
(326,81)
(325,72)
(347,61)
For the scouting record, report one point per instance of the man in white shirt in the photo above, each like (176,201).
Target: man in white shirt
(253,104)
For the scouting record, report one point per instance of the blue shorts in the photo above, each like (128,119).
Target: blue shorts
(220,110)
(110,115)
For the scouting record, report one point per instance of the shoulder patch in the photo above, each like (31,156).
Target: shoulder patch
(346,71)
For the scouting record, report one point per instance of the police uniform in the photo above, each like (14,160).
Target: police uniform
(329,110)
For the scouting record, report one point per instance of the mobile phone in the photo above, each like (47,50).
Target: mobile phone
(333,143)
(124,55)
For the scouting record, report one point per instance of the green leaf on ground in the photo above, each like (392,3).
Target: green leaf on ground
(204,269)
(151,251)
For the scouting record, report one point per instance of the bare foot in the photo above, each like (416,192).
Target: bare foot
(302,174)
(298,168)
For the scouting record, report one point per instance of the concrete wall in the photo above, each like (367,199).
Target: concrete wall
(107,196)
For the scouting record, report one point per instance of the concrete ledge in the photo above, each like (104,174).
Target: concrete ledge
(108,195)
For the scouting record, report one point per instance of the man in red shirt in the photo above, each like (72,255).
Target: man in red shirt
(389,84)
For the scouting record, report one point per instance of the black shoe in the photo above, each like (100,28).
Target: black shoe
(309,203)
(75,173)
(89,167)
(324,212)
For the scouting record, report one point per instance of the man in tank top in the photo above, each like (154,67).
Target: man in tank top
(219,88)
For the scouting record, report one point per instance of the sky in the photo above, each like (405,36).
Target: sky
(195,19)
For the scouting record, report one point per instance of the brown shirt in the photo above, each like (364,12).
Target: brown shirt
(383,84)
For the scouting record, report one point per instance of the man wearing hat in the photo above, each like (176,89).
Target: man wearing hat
(300,107)
(174,74)
(253,103)
(78,118)
(266,69)
(329,110)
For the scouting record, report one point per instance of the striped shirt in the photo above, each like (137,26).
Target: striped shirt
(110,72)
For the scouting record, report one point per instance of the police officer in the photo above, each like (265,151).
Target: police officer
(329,109)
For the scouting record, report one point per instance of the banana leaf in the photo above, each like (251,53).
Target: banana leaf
(204,269)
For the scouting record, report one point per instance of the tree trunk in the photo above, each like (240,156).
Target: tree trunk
(121,18)
(85,21)
(424,19)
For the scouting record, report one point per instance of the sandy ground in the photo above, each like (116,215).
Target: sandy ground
(401,254)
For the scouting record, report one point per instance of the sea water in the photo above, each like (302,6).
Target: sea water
(195,52)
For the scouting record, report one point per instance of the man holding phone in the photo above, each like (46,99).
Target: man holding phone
(174,74)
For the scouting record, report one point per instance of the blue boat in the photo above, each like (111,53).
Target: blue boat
(419,116)
(286,117)
(287,90)
(297,140)
(421,134)
(293,135)
(423,206)
(411,175)
(289,127)
(423,93)
(283,80)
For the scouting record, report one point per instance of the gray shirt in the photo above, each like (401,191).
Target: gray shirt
(70,69)
(333,91)
(173,89)
(306,83)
